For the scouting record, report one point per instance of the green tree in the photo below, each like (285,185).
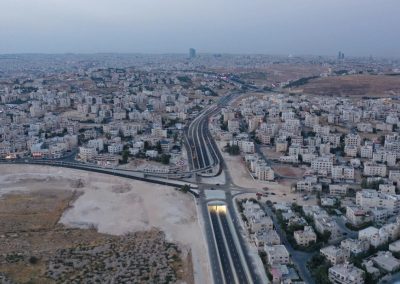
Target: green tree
(165,159)
(158,147)
(233,150)
(125,156)
(185,188)
(325,236)
(146,145)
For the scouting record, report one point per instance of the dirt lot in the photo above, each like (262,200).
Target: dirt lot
(48,212)
(271,154)
(274,73)
(289,171)
(354,85)
(278,191)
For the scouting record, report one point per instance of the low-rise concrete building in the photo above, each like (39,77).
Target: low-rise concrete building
(335,254)
(338,189)
(305,237)
(277,254)
(395,246)
(373,169)
(369,198)
(374,236)
(386,261)
(346,274)
(268,237)
(323,224)
(357,216)
(354,247)
(260,223)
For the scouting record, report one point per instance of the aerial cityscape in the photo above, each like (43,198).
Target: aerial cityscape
(211,163)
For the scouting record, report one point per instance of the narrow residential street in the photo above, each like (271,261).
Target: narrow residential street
(299,258)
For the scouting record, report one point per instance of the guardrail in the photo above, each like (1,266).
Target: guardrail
(93,169)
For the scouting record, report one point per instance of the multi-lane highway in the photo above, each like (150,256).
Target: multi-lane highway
(229,258)
(232,264)
(223,252)
(202,149)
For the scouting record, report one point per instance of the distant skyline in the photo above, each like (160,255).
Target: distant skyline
(298,27)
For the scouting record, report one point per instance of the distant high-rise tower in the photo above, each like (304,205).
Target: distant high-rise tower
(340,55)
(192,53)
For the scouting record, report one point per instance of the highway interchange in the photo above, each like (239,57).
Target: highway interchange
(230,260)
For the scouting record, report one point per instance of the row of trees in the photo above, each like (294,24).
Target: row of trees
(232,149)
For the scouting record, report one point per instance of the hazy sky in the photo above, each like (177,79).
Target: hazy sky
(323,27)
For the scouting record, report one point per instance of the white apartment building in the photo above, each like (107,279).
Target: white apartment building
(385,156)
(325,223)
(268,237)
(340,172)
(324,149)
(311,120)
(305,237)
(387,188)
(308,184)
(245,146)
(263,172)
(115,148)
(259,223)
(277,254)
(372,169)
(379,214)
(287,115)
(322,165)
(87,153)
(293,159)
(346,274)
(395,246)
(356,215)
(96,143)
(335,255)
(233,125)
(365,127)
(57,150)
(354,247)
(264,138)
(376,237)
(366,151)
(321,130)
(394,176)
(307,158)
(298,140)
(369,198)
(386,261)
(281,145)
(158,132)
(350,150)
(392,230)
(352,139)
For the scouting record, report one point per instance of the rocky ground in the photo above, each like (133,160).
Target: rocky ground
(58,227)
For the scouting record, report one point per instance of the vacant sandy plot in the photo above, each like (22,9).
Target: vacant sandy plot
(117,206)
(354,85)
(270,153)
(289,171)
(241,177)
